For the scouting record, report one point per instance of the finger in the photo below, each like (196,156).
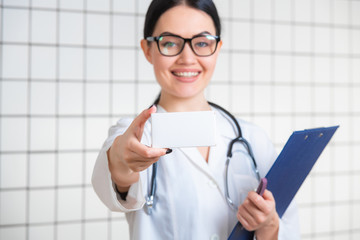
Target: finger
(246,219)
(139,122)
(145,151)
(257,200)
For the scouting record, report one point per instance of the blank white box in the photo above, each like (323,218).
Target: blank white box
(262,68)
(90,158)
(42,170)
(323,219)
(120,229)
(355,16)
(341,158)
(322,188)
(322,99)
(302,69)
(14,134)
(305,220)
(71,28)
(241,98)
(282,38)
(302,99)
(240,67)
(146,70)
(124,64)
(71,231)
(71,64)
(322,11)
(17,3)
(14,61)
(262,99)
(43,26)
(341,217)
(341,69)
(15,25)
(96,132)
(283,68)
(69,204)
(302,10)
(13,171)
(70,136)
(303,36)
(96,5)
(12,207)
(283,98)
(341,41)
(241,36)
(97,64)
(262,39)
(241,9)
(322,39)
(41,206)
(282,10)
(123,98)
(44,3)
(146,94)
(41,232)
(43,62)
(355,97)
(96,230)
(262,9)
(18,233)
(221,72)
(342,187)
(97,98)
(355,39)
(342,99)
(219,94)
(14,97)
(322,69)
(340,12)
(94,208)
(70,169)
(42,98)
(71,4)
(123,6)
(97,29)
(42,134)
(71,98)
(123,31)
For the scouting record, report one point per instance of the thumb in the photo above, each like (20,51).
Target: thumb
(139,122)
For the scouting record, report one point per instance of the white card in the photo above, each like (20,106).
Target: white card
(183,129)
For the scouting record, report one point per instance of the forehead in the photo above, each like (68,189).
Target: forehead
(184,21)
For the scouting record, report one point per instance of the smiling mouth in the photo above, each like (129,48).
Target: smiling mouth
(186,74)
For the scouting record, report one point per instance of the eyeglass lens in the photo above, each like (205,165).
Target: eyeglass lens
(202,45)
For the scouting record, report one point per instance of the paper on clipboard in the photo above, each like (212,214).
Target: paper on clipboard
(290,169)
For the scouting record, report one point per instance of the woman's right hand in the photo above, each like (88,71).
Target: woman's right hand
(128,156)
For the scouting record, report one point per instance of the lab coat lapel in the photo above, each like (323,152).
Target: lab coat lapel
(196,158)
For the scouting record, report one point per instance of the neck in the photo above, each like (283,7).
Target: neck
(173,104)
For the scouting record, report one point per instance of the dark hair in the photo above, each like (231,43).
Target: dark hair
(158,7)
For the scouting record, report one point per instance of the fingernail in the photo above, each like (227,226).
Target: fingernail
(169,150)
(151,106)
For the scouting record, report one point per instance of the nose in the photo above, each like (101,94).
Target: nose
(187,56)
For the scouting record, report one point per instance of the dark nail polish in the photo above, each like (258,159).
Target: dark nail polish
(151,106)
(169,150)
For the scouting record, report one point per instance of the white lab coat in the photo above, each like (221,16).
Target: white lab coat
(190,200)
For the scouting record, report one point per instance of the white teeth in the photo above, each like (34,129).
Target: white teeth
(186,74)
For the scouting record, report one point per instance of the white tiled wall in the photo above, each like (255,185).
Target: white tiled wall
(70,68)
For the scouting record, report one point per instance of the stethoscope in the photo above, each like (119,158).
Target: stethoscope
(150,199)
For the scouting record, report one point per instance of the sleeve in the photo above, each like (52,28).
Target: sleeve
(103,184)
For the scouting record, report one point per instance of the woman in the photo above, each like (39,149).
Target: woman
(181,41)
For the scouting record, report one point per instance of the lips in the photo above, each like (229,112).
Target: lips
(186,75)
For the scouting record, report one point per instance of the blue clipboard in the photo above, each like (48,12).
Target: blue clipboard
(290,169)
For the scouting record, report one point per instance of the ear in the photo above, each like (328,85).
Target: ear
(146,50)
(219,44)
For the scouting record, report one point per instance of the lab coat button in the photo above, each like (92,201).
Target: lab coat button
(214,237)
(212,184)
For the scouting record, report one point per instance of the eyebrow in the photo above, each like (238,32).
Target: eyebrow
(199,34)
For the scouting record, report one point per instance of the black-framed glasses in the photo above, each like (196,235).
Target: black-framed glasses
(172,45)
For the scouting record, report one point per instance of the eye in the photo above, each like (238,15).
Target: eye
(168,44)
(201,44)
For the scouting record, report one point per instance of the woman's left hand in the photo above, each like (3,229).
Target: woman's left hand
(259,214)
